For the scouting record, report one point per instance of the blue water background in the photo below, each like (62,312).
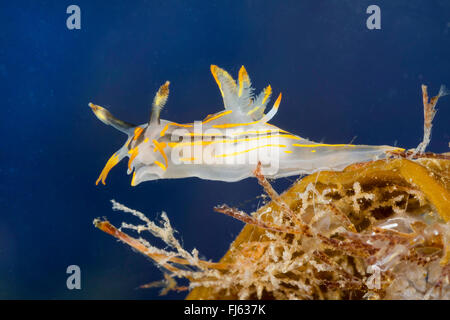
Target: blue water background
(339,81)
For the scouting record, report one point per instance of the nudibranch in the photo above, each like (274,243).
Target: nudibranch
(227,145)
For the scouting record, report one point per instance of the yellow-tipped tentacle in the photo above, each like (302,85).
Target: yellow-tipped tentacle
(109,165)
(214,71)
(244,80)
(267,93)
(272,111)
(162,95)
(159,102)
(277,102)
(101,113)
(220,73)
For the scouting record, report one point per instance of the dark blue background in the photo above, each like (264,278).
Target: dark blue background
(339,80)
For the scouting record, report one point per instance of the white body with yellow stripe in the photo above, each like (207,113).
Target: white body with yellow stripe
(228,145)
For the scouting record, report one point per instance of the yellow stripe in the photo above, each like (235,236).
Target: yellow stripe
(240,152)
(161,165)
(232,125)
(224,113)
(322,145)
(137,132)
(195,143)
(163,131)
(267,93)
(187,159)
(133,180)
(193,134)
(134,152)
(258,132)
(202,143)
(253,110)
(288,151)
(160,147)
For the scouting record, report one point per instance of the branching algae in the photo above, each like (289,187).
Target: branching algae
(367,223)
